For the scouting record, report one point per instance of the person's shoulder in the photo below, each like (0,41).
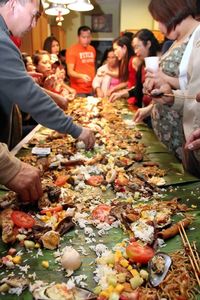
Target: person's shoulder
(103,68)
(90,47)
(73,47)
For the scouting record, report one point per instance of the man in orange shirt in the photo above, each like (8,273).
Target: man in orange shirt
(80,60)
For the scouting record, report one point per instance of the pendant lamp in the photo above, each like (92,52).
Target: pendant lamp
(81,5)
(61,1)
(57,9)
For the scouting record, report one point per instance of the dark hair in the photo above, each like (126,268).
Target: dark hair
(146,35)
(129,35)
(83,28)
(105,55)
(62,52)
(123,64)
(48,43)
(171,12)
(24,57)
(37,56)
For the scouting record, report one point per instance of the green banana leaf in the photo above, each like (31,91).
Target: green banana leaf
(178,184)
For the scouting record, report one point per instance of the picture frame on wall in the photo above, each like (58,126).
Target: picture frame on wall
(102,22)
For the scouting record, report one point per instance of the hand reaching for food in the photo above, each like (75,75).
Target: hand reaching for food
(88,138)
(27,183)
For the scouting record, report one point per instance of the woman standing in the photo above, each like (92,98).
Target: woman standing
(176,21)
(124,52)
(144,44)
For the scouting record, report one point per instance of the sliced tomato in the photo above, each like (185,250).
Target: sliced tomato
(138,253)
(22,219)
(51,209)
(101,212)
(61,180)
(95,180)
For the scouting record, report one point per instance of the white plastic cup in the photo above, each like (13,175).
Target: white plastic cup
(152,63)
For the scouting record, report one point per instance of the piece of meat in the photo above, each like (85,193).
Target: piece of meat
(8,235)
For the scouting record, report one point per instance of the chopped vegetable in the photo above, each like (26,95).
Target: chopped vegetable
(51,209)
(61,180)
(29,244)
(138,253)
(22,219)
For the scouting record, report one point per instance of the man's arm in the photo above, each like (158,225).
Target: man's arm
(18,87)
(21,178)
(72,73)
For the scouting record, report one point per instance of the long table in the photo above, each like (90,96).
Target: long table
(178,183)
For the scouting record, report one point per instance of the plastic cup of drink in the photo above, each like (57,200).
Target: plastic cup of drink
(152,63)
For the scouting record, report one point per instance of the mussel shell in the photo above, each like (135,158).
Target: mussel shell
(156,279)
(84,294)
(47,292)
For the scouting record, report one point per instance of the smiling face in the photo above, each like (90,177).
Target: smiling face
(119,51)
(141,50)
(19,10)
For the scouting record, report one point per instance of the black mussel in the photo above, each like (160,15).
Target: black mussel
(53,193)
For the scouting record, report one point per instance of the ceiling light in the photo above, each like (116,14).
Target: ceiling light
(45,4)
(81,5)
(56,9)
(62,1)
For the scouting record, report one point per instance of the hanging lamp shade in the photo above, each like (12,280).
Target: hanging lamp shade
(61,1)
(45,4)
(57,9)
(81,5)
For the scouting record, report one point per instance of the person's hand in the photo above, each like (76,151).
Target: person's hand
(27,183)
(193,142)
(101,73)
(153,80)
(71,96)
(61,101)
(37,77)
(162,99)
(85,77)
(142,113)
(88,138)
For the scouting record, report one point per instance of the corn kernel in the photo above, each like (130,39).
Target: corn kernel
(48,213)
(104,294)
(17,259)
(118,255)
(45,264)
(119,288)
(110,289)
(124,263)
(134,272)
(129,268)
(37,245)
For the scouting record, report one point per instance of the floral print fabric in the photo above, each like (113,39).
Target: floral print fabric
(167,123)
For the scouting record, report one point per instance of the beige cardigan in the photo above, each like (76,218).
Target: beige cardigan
(9,165)
(190,107)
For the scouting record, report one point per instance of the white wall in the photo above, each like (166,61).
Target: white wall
(135,15)
(71,23)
